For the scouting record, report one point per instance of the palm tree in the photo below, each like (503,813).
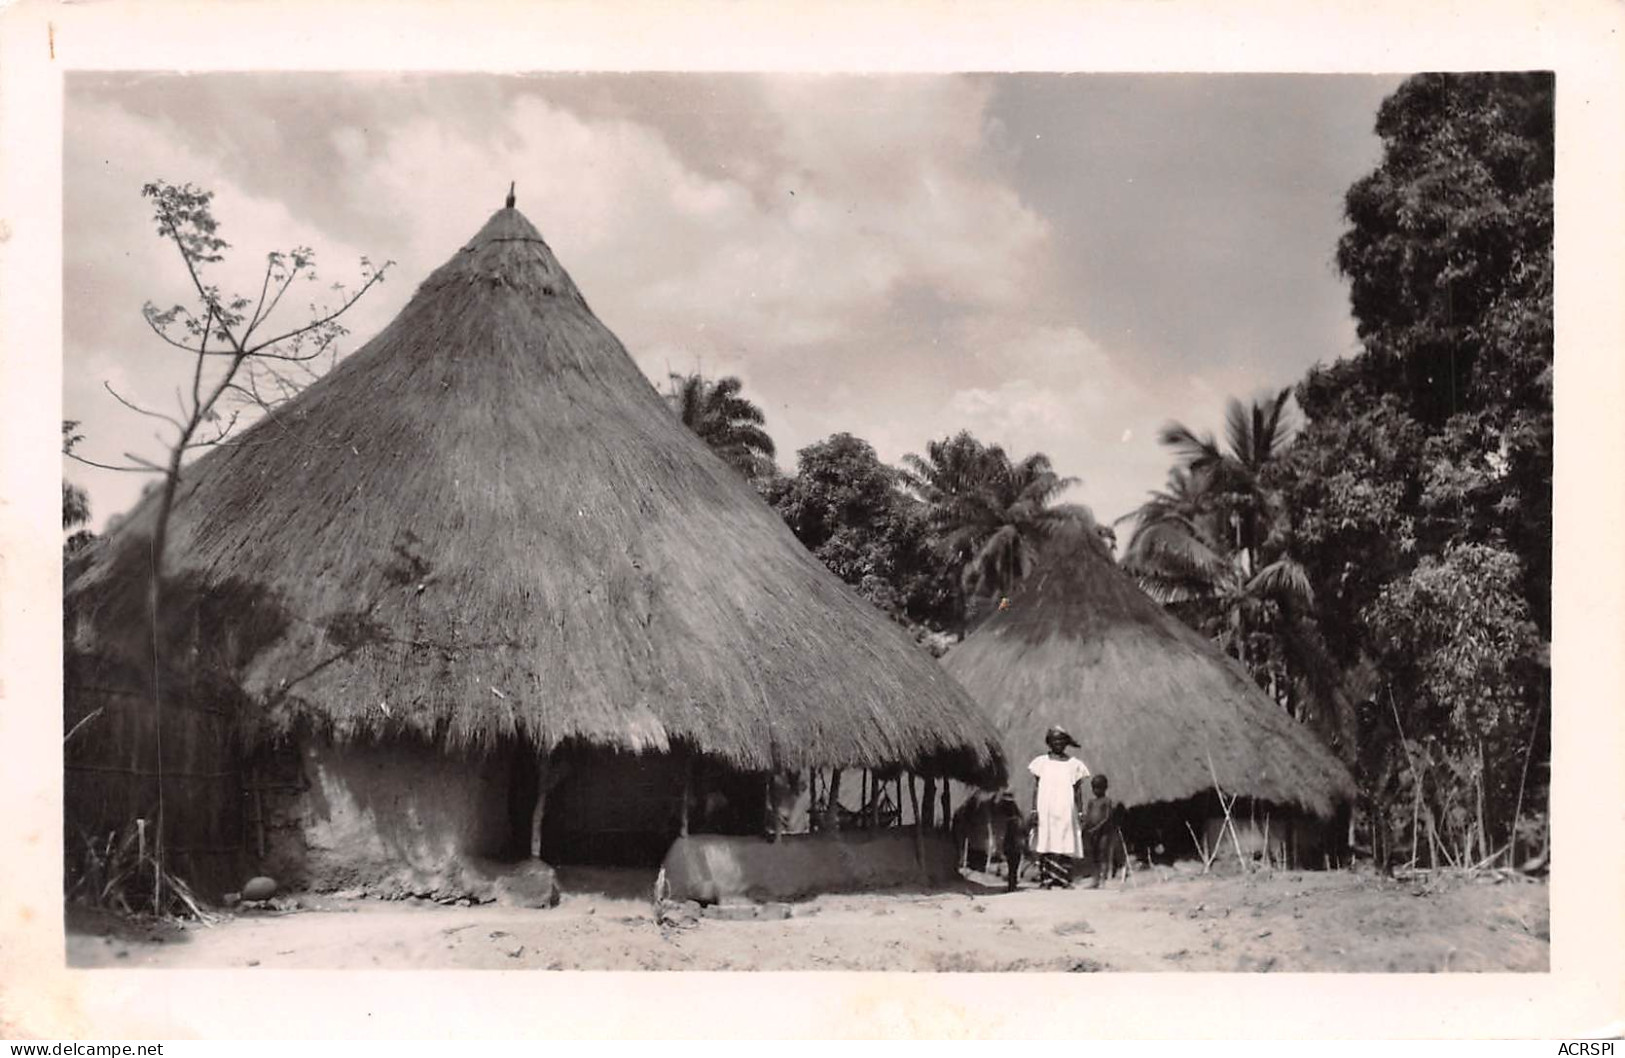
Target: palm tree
(989,514)
(1183,554)
(723,419)
(951,476)
(1256,434)
(1216,544)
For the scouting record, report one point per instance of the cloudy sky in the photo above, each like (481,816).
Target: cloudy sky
(1057,263)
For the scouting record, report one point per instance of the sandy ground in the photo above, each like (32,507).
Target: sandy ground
(1279,921)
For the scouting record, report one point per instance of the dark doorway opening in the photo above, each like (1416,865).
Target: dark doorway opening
(611,809)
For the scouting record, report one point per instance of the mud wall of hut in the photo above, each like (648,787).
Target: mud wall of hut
(388,818)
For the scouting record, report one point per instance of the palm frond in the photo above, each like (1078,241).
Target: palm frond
(1284,578)
(1071,512)
(1277,426)
(1171,547)
(1196,451)
(995,561)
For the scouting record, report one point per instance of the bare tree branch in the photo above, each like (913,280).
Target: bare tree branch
(270,263)
(140,410)
(197,368)
(160,332)
(149,464)
(147,468)
(220,433)
(191,268)
(375,278)
(287,281)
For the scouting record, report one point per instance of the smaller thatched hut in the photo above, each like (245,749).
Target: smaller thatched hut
(1159,709)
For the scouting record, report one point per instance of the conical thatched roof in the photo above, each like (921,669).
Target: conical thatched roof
(486,522)
(1082,646)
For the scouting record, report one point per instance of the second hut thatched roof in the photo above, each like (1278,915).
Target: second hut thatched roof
(486,523)
(1151,700)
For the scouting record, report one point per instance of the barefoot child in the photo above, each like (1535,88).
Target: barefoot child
(1013,837)
(1102,837)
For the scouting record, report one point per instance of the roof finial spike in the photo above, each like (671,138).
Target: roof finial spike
(510,194)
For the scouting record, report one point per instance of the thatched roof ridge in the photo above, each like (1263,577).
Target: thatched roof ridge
(1149,698)
(486,523)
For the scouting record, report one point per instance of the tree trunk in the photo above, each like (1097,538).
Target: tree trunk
(1523,780)
(160,540)
(1416,816)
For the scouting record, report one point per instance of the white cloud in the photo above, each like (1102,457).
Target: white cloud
(893,294)
(893,195)
(1060,392)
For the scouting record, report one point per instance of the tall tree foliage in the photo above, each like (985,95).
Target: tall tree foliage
(846,506)
(1454,640)
(726,421)
(990,513)
(1422,480)
(1449,261)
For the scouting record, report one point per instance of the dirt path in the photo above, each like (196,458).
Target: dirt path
(1280,922)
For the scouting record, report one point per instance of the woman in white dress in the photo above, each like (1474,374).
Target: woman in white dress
(1057,803)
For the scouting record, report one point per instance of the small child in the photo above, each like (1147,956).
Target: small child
(1013,836)
(1102,834)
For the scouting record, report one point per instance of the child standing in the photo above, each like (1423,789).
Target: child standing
(1102,836)
(1013,836)
(1057,802)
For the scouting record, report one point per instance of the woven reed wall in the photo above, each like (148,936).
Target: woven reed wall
(112,768)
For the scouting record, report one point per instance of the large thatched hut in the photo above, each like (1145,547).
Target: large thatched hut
(478,588)
(1158,709)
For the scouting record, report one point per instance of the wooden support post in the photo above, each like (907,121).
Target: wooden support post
(863,805)
(773,822)
(947,813)
(919,831)
(259,819)
(928,803)
(688,795)
(544,783)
